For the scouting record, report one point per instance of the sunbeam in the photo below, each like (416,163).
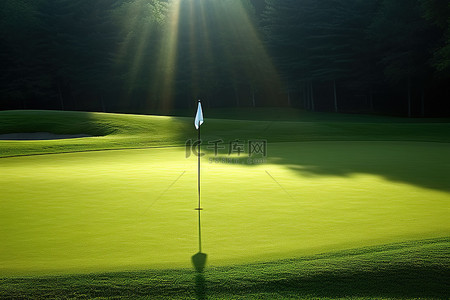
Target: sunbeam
(167,59)
(258,66)
(207,49)
(193,46)
(141,21)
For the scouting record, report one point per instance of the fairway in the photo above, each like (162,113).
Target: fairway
(134,209)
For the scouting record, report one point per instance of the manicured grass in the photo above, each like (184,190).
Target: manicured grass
(293,114)
(115,131)
(324,186)
(413,270)
(110,131)
(82,212)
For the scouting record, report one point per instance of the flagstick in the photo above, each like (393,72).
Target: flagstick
(199,204)
(199,259)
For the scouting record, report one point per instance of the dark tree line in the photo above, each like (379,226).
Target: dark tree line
(155,55)
(353,55)
(55,54)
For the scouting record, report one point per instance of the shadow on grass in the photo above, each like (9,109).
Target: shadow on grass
(200,287)
(412,153)
(310,148)
(57,122)
(418,269)
(419,164)
(398,282)
(427,282)
(416,163)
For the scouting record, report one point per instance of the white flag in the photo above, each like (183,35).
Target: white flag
(199,117)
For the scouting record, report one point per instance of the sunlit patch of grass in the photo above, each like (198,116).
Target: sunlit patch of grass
(84,212)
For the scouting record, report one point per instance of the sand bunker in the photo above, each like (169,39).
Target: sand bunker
(40,136)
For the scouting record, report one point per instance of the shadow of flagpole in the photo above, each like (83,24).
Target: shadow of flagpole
(199,231)
(199,259)
(200,286)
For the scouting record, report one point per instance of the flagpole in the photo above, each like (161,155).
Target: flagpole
(199,259)
(199,203)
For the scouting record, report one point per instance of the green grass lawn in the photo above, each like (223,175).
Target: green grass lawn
(115,131)
(413,270)
(326,185)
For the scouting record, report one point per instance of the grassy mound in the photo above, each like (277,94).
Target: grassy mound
(118,131)
(110,131)
(413,270)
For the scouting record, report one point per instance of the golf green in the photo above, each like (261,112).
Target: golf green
(134,209)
